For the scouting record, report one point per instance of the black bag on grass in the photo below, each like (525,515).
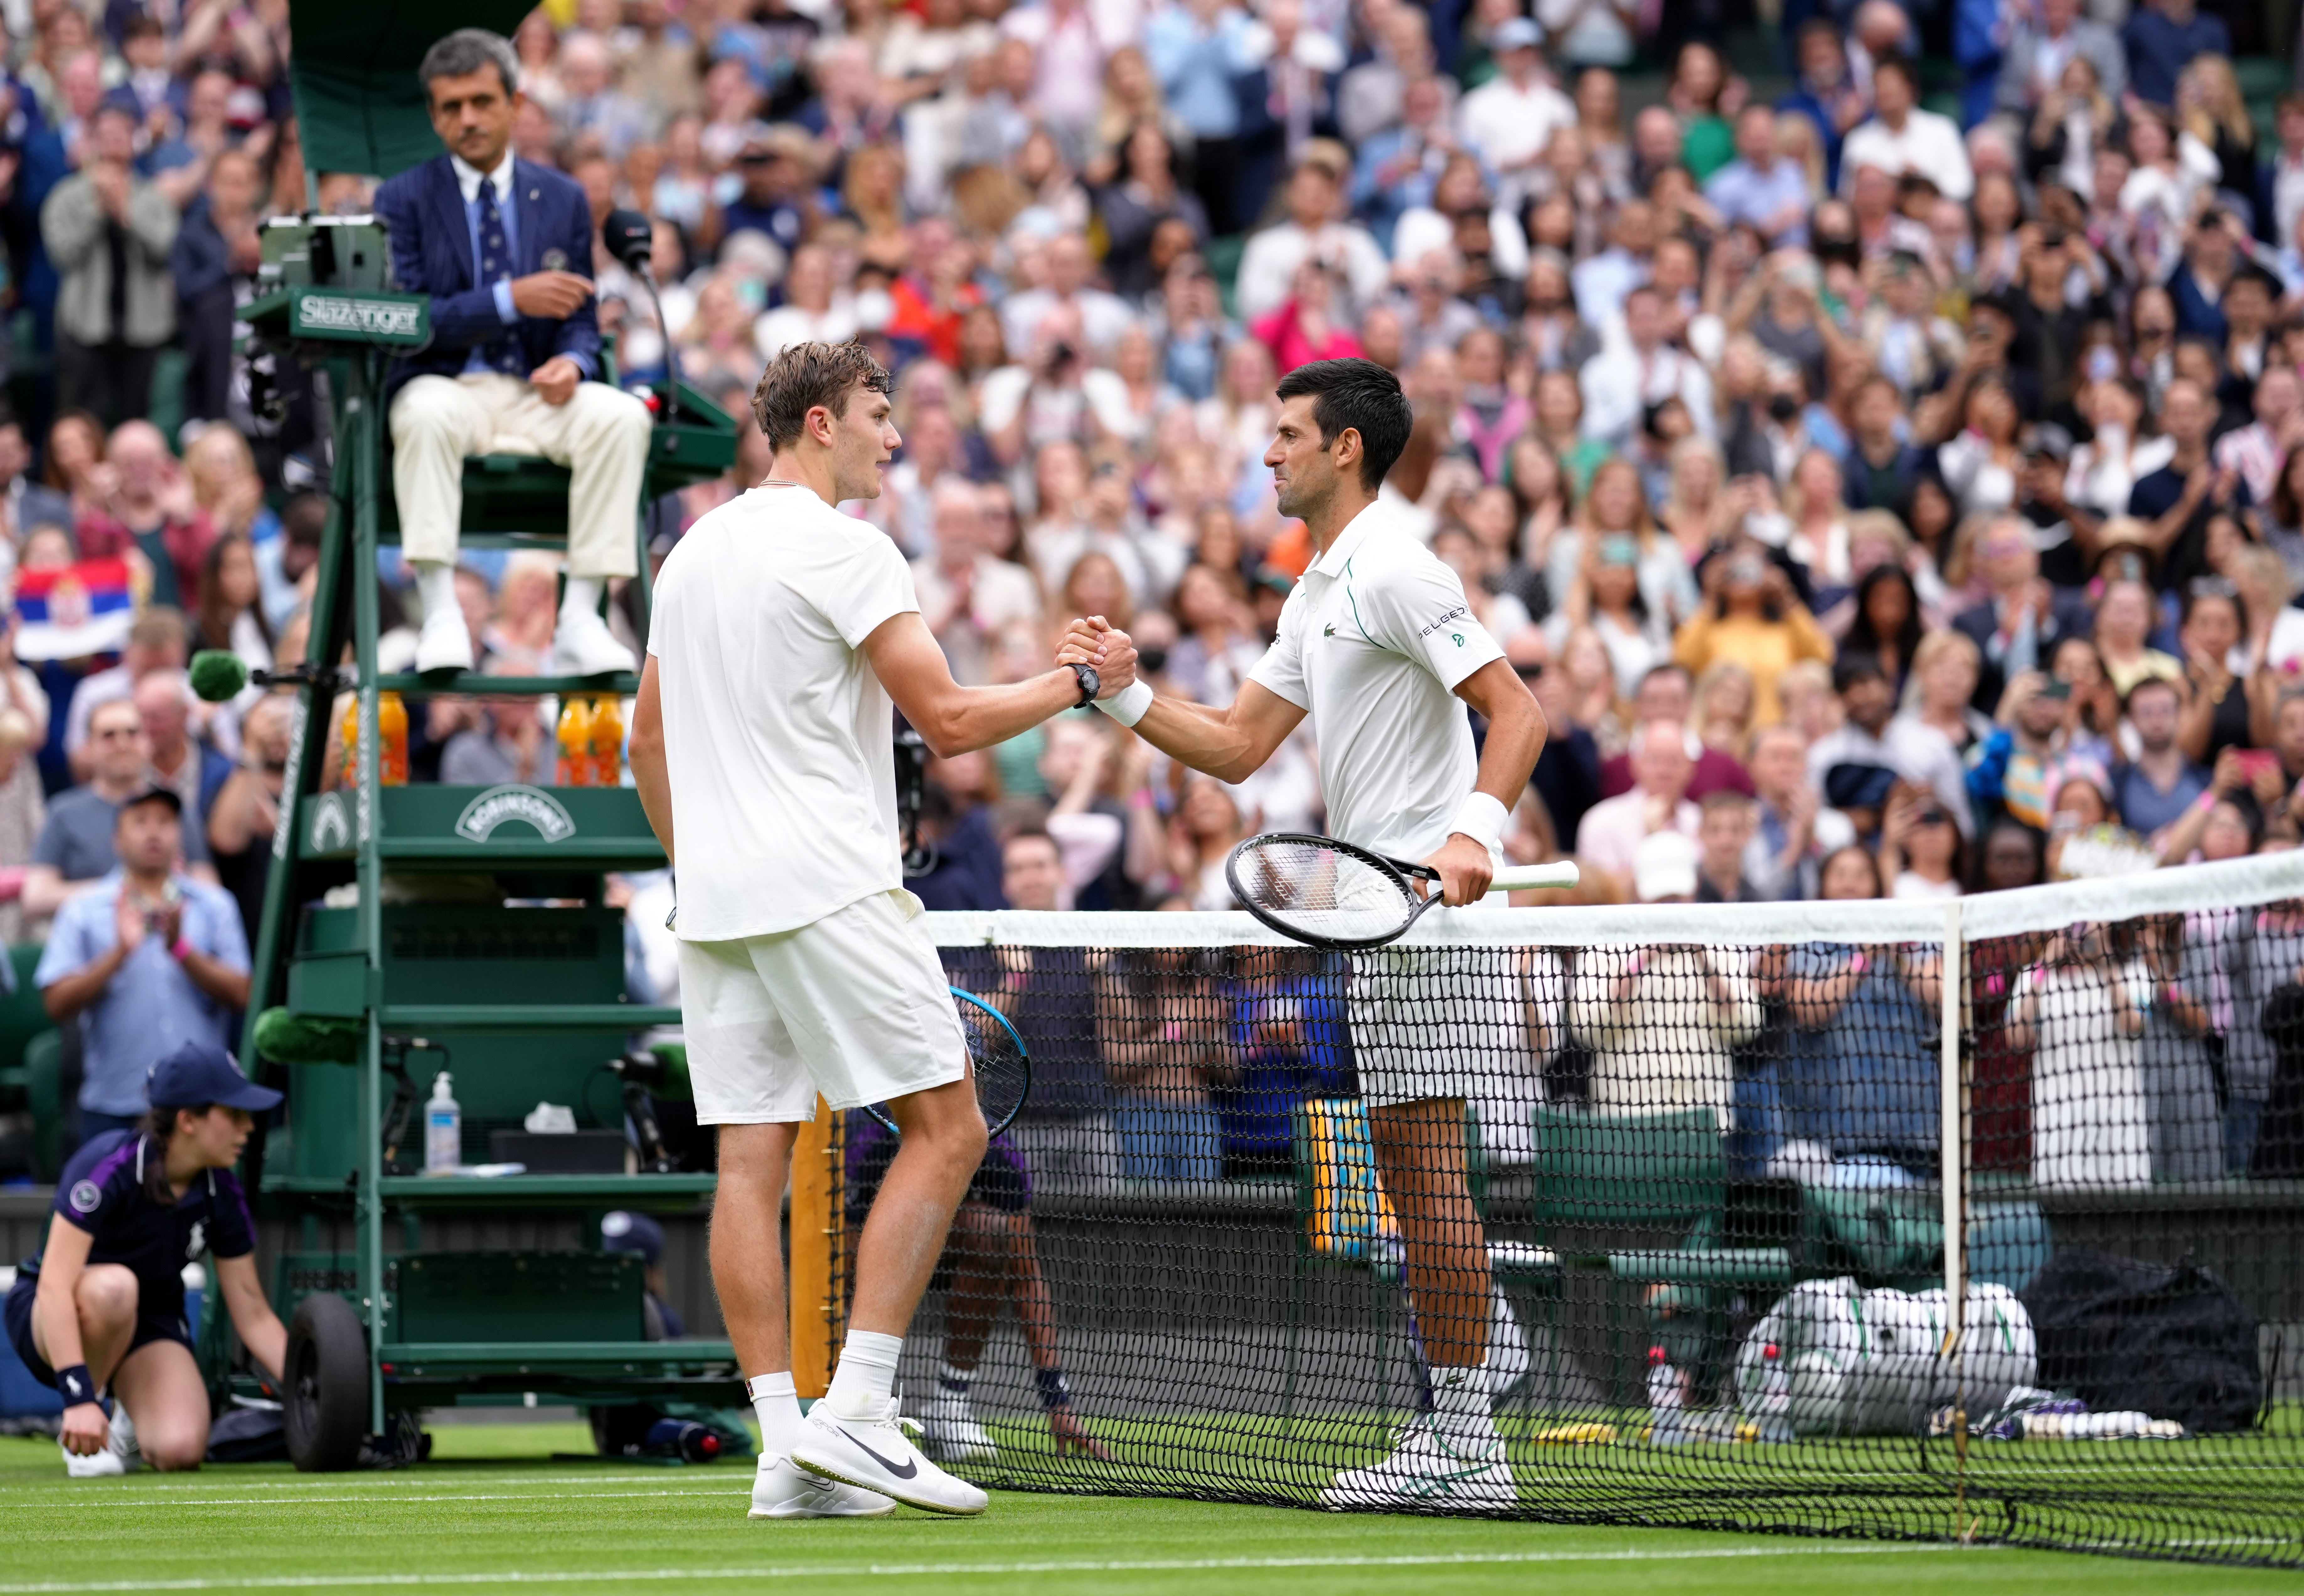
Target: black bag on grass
(2123,1335)
(247,1435)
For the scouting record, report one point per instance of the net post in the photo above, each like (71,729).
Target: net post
(1951,1142)
(818,1220)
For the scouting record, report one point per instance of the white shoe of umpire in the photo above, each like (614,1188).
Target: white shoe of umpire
(949,1431)
(444,643)
(782,1491)
(1428,1471)
(874,1453)
(121,1454)
(582,645)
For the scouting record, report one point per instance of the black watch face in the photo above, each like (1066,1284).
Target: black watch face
(1089,682)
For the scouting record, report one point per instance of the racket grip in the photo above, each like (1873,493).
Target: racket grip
(1559,873)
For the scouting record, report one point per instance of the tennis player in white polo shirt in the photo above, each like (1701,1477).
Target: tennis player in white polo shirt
(1378,646)
(763,740)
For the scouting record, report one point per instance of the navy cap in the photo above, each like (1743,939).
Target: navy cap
(200,1073)
(633,1233)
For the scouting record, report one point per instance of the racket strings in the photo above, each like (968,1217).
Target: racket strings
(1330,893)
(998,1063)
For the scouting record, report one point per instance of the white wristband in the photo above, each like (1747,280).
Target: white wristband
(1128,706)
(1482,819)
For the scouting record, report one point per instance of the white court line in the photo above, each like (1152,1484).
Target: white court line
(397,1496)
(916,1570)
(430,1476)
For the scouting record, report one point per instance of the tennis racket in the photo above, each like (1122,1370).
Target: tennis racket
(1329,894)
(997,1057)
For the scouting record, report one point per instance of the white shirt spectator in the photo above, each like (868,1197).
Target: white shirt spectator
(1508,125)
(1103,316)
(1268,265)
(788,324)
(1619,381)
(1929,145)
(1917,752)
(1609,835)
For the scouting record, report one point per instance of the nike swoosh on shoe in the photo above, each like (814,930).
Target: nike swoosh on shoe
(905,1472)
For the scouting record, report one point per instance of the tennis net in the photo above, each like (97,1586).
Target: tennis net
(1689,1227)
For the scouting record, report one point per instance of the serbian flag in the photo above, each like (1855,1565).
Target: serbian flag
(70,614)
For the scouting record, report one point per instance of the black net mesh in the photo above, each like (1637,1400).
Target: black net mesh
(1680,1203)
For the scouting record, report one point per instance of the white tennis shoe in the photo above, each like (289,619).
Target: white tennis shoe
(949,1431)
(446,642)
(582,645)
(121,1454)
(874,1453)
(1428,1471)
(780,1490)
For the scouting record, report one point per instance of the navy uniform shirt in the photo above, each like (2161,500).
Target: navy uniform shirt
(102,1192)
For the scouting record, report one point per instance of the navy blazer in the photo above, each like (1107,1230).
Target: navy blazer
(432,255)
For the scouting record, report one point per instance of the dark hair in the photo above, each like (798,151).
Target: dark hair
(1862,638)
(2127,699)
(160,1124)
(1871,864)
(1901,66)
(1359,396)
(2209,588)
(212,625)
(809,375)
(2009,825)
(466,51)
(1026,833)
(1854,667)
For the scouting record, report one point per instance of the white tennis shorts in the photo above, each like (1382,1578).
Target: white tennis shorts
(854,1006)
(1430,1021)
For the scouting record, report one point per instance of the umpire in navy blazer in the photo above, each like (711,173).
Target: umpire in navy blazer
(503,250)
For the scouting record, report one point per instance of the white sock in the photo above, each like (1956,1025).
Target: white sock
(867,1375)
(776,1404)
(582,597)
(436,586)
(1460,1403)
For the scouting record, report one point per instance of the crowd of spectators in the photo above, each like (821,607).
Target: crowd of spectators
(1881,500)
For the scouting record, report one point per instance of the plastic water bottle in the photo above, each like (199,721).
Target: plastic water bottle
(607,736)
(1776,1382)
(1665,1390)
(575,735)
(444,1130)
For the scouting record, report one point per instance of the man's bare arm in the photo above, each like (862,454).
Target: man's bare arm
(1230,744)
(650,775)
(953,719)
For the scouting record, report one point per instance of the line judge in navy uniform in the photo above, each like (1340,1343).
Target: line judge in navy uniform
(102,1306)
(503,250)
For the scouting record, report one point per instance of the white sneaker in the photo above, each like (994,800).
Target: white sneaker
(121,1454)
(781,1491)
(1508,1359)
(949,1431)
(445,643)
(582,645)
(874,1454)
(1430,1472)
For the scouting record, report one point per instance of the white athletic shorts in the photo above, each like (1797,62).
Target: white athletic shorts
(1430,1022)
(854,1006)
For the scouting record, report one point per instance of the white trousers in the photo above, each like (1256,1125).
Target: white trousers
(601,436)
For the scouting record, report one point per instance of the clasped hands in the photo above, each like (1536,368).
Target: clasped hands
(1095,642)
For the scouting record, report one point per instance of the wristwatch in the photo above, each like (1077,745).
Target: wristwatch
(1090,685)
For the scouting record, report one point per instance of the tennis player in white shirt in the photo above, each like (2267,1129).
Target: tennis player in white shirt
(1378,646)
(763,741)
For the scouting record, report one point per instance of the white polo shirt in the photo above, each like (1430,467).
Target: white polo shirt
(778,737)
(1372,644)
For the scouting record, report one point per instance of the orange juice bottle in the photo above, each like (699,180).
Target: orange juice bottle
(392,735)
(349,737)
(575,743)
(608,742)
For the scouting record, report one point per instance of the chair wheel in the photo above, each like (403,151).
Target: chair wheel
(325,1402)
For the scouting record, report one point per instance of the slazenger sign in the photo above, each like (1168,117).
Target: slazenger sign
(498,805)
(385,317)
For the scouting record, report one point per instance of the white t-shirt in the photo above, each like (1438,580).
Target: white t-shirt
(778,736)
(1372,644)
